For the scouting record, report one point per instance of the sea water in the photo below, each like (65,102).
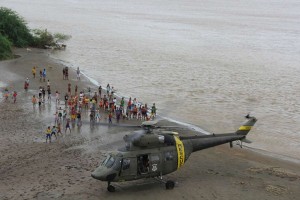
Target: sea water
(206,63)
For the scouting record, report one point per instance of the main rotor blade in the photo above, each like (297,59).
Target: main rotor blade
(113,124)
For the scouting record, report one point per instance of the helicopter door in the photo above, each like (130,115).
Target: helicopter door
(143,164)
(128,169)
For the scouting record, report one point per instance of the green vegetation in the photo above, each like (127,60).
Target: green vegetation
(14,32)
(14,28)
(5,48)
(43,38)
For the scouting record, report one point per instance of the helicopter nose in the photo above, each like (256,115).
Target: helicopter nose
(95,176)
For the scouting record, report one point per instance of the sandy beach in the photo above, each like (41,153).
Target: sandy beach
(32,169)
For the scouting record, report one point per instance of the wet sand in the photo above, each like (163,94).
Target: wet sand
(32,169)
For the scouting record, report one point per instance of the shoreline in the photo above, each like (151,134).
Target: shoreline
(31,169)
(184,124)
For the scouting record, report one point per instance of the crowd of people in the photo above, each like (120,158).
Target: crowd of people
(98,105)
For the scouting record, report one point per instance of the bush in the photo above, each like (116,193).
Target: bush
(14,28)
(43,38)
(5,48)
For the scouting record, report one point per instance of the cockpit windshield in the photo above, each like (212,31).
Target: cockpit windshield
(109,161)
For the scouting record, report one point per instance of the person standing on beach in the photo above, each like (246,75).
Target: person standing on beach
(78,73)
(79,123)
(56,118)
(110,118)
(129,103)
(89,91)
(68,126)
(100,90)
(64,73)
(58,129)
(26,84)
(53,131)
(44,75)
(44,93)
(33,72)
(33,100)
(6,94)
(15,96)
(41,75)
(49,94)
(153,111)
(48,134)
(108,89)
(69,88)
(67,73)
(122,103)
(57,97)
(76,89)
(40,101)
(66,99)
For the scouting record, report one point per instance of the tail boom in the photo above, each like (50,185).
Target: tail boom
(204,142)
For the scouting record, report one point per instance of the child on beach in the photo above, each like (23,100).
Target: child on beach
(97,117)
(48,134)
(53,131)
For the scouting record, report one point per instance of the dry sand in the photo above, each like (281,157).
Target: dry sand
(32,169)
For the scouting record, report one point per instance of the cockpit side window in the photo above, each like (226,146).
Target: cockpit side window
(109,161)
(126,164)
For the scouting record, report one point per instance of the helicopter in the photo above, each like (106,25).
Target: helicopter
(149,154)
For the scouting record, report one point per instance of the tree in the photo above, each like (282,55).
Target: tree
(5,48)
(14,31)
(14,28)
(44,39)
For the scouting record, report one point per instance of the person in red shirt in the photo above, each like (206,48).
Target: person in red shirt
(15,96)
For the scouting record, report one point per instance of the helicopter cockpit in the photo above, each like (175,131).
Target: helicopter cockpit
(113,161)
(108,168)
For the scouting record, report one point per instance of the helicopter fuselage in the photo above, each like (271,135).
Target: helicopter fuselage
(138,163)
(149,155)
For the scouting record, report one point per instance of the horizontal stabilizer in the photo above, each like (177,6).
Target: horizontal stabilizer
(246,141)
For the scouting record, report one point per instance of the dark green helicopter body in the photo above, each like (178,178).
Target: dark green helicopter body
(149,155)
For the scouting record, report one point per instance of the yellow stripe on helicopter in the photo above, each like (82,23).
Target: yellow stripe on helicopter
(180,152)
(245,128)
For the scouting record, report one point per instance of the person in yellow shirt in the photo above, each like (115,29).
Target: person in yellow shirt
(33,71)
(48,134)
